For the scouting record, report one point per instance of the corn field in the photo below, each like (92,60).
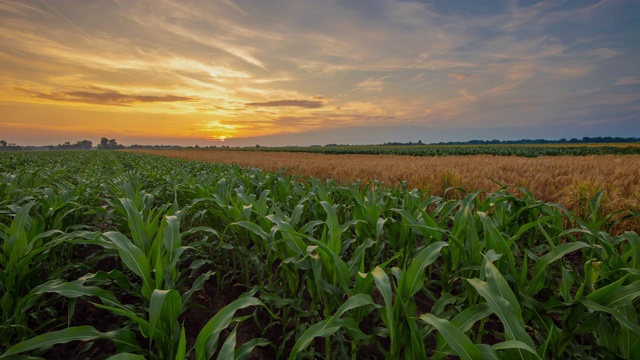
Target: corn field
(120,255)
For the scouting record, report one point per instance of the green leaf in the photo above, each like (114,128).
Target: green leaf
(16,243)
(515,344)
(80,333)
(208,337)
(337,265)
(622,319)
(615,295)
(384,286)
(164,307)
(565,285)
(329,326)
(554,254)
(254,228)
(137,226)
(244,351)
(499,285)
(74,290)
(126,356)
(454,337)
(469,316)
(606,335)
(335,235)
(414,278)
(143,324)
(172,238)
(227,350)
(181,354)
(514,330)
(134,259)
(465,321)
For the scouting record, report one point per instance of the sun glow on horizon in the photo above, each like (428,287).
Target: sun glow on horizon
(218,130)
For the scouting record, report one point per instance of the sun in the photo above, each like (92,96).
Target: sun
(218,130)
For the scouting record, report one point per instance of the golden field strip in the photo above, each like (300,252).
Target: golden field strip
(568,180)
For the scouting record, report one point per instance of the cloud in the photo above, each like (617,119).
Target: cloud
(372,84)
(308,104)
(457,76)
(628,80)
(570,71)
(185,22)
(468,96)
(298,123)
(106,97)
(604,53)
(18,8)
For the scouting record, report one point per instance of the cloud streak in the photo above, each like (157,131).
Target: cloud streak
(307,104)
(105,97)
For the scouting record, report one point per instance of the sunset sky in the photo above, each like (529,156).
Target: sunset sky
(303,72)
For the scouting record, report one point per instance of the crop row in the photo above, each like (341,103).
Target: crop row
(162,258)
(451,150)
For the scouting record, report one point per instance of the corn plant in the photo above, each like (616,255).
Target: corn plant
(22,262)
(399,311)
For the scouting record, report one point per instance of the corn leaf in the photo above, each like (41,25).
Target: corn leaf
(454,337)
(543,262)
(227,349)
(207,339)
(134,259)
(504,310)
(244,351)
(80,333)
(414,278)
(329,326)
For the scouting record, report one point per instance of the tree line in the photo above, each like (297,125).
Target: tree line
(584,140)
(79,145)
(105,144)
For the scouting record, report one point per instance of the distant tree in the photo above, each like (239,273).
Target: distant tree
(109,144)
(84,145)
(7,146)
(79,145)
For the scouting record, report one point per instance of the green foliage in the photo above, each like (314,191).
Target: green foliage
(302,268)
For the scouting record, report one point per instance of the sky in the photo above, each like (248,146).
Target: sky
(307,72)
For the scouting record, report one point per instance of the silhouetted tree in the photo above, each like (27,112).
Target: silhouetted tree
(79,145)
(84,145)
(109,144)
(7,146)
